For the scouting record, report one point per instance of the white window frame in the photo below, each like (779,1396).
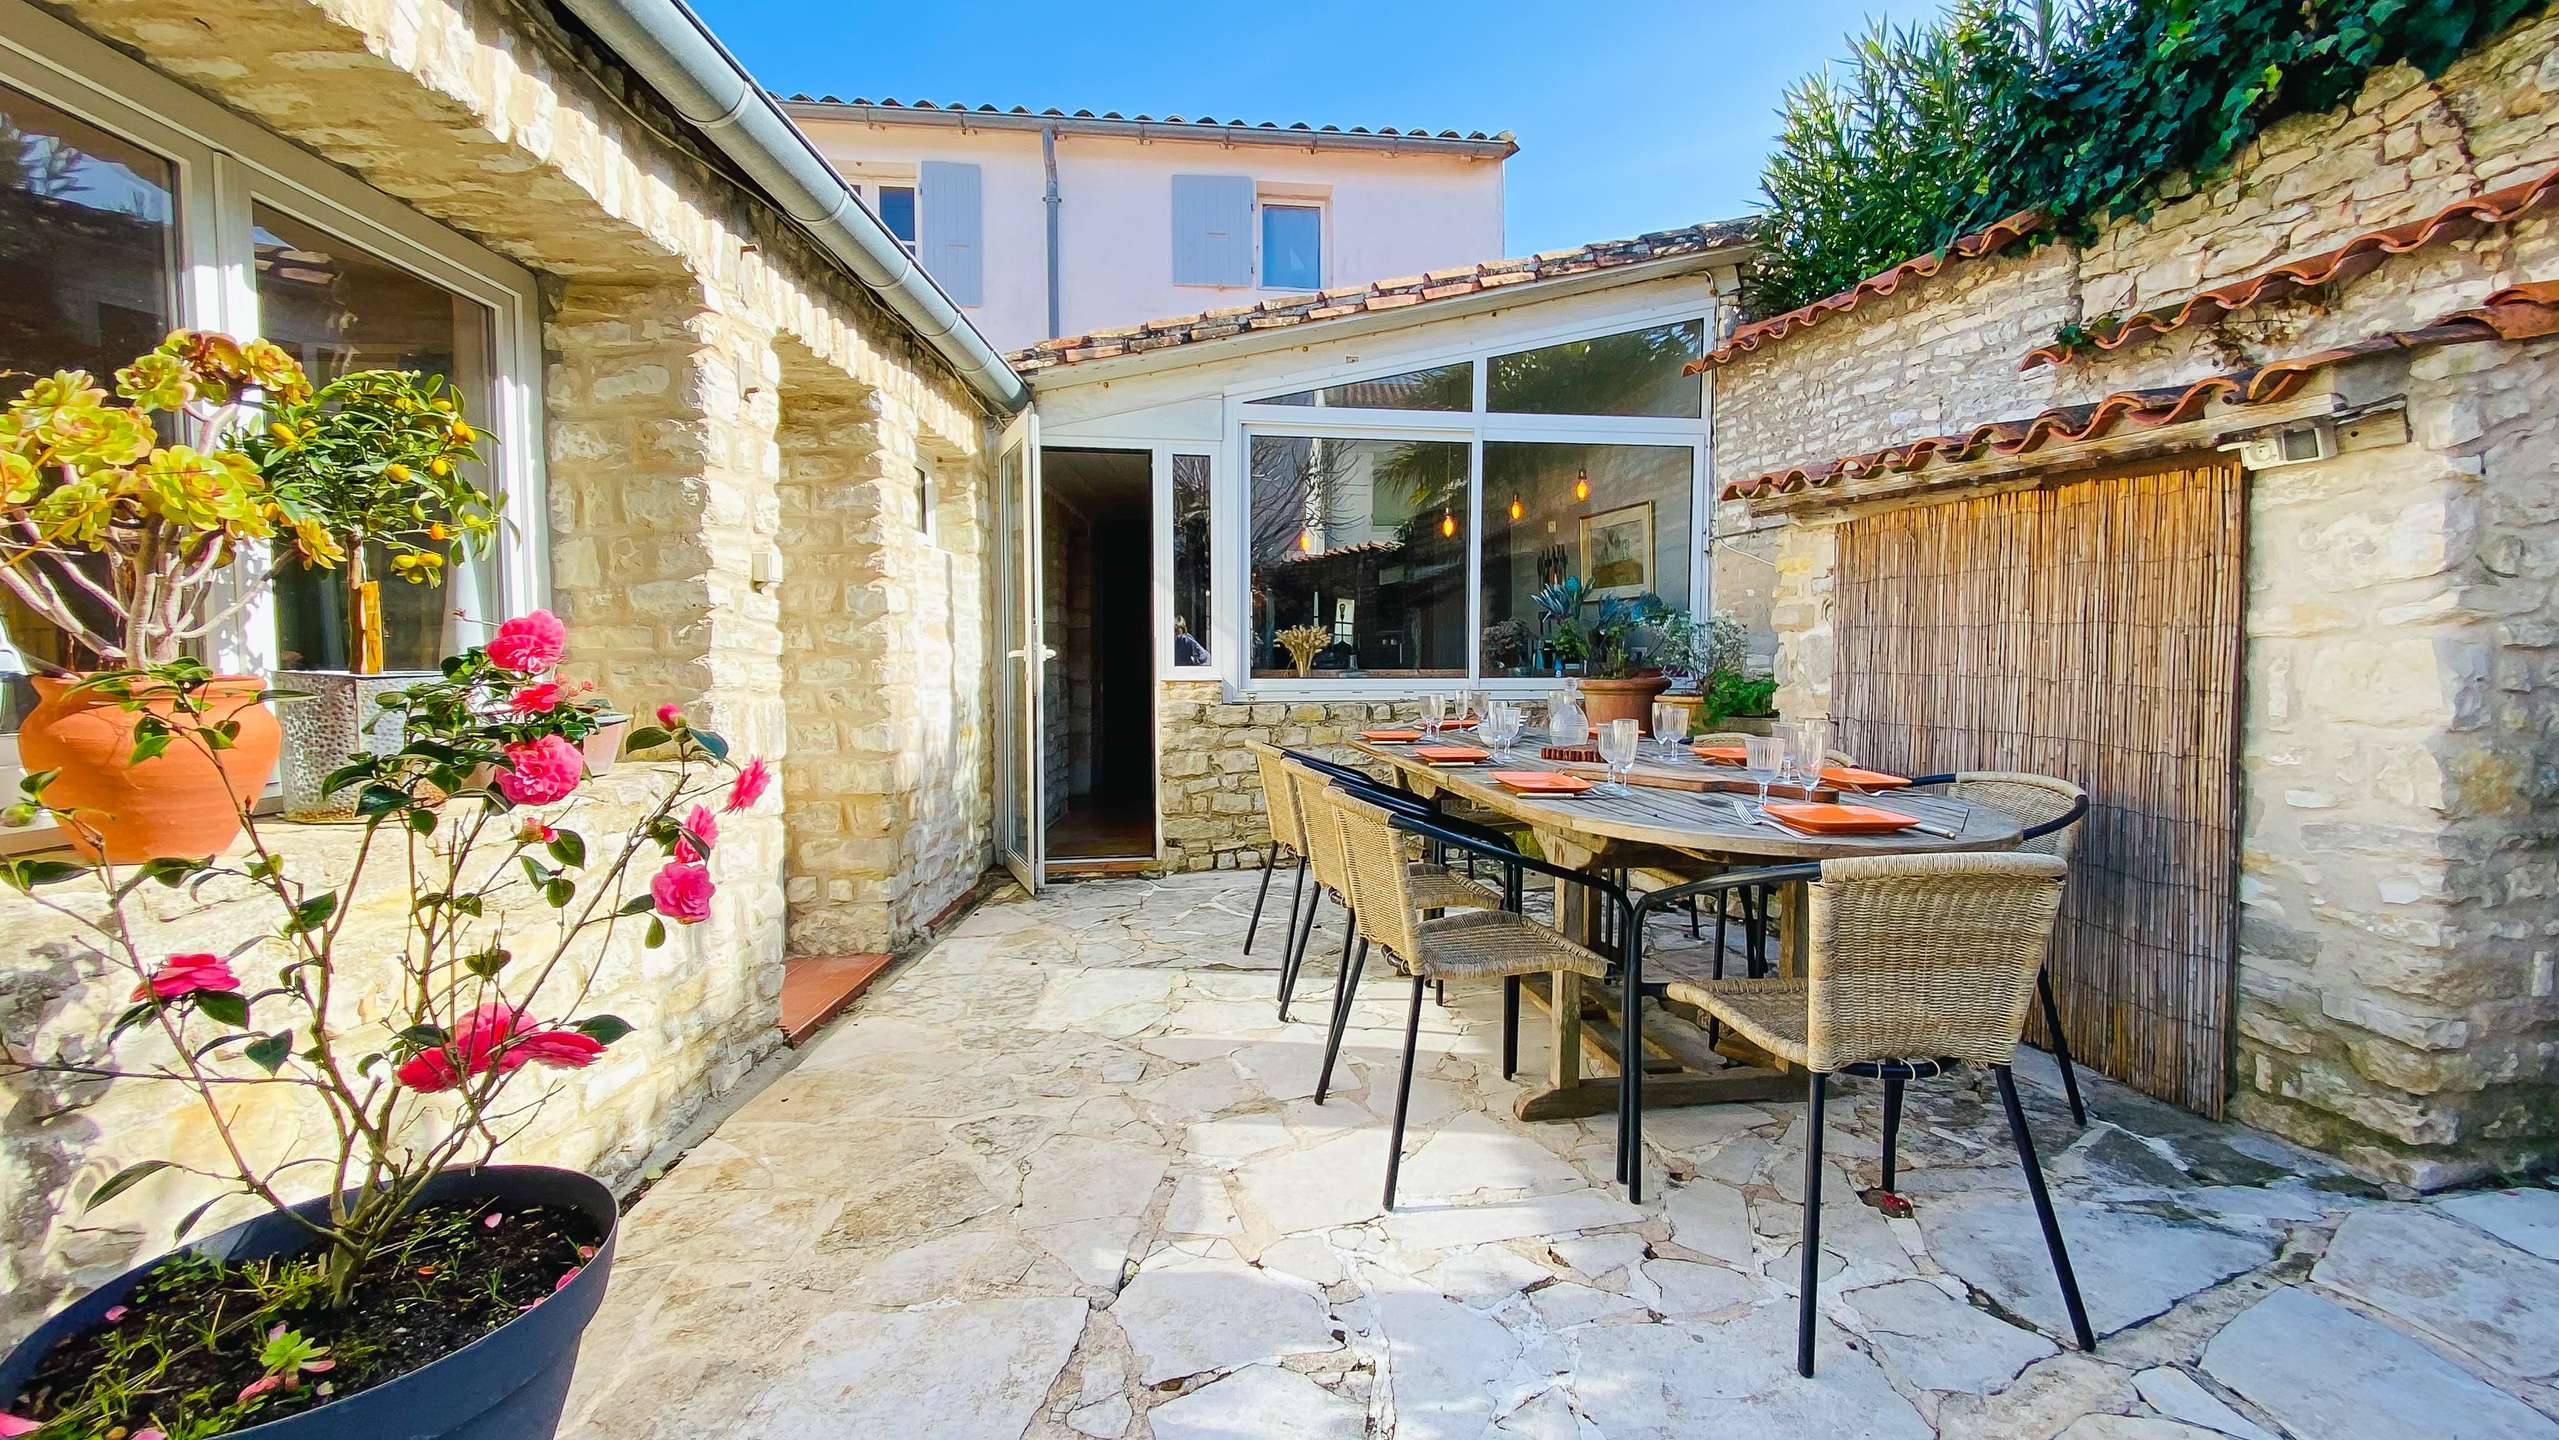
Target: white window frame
(867,185)
(1282,200)
(225,166)
(1230,483)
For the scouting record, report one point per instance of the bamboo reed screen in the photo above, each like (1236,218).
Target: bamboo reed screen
(2088,629)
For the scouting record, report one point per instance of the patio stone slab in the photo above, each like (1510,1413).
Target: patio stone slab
(2322,1370)
(1676,1382)
(2179,1396)
(1444,1364)
(979,1370)
(2480,1293)
(1939,1341)
(2131,1264)
(2526,1218)
(1260,1403)
(1187,1318)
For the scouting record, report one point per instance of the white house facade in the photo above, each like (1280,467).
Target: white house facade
(1048,224)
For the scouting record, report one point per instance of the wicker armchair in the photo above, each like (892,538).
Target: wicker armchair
(1288,832)
(1434,887)
(1911,960)
(2050,809)
(1391,913)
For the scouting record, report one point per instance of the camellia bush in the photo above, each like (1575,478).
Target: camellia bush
(511,915)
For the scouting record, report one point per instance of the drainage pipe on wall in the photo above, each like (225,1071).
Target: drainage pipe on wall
(666,45)
(1048,158)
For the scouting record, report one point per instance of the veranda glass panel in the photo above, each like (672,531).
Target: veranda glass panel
(1617,517)
(339,309)
(1190,560)
(1364,540)
(1636,372)
(1441,387)
(88,243)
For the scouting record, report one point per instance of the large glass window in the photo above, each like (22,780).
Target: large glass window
(1191,617)
(339,310)
(1440,387)
(1366,540)
(1616,517)
(1292,247)
(88,280)
(1635,372)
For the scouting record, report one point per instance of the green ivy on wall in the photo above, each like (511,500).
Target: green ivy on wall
(2079,108)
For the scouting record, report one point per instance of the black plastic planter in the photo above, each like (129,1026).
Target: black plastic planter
(510,1384)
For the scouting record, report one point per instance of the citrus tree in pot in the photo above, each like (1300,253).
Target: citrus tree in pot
(380,460)
(127,546)
(420,1289)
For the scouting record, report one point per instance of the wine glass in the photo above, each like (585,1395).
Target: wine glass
(1670,726)
(1502,724)
(1434,710)
(1763,754)
(1619,742)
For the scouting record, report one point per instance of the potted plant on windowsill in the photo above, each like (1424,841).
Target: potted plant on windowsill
(1689,651)
(1619,676)
(398,1282)
(127,546)
(380,459)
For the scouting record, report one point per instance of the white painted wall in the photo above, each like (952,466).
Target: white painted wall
(1387,215)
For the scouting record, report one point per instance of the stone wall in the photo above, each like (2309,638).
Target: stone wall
(2398,927)
(1211,790)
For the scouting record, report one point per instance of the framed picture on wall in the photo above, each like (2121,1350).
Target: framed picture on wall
(1617,551)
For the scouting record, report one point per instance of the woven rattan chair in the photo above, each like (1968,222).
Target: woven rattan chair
(1434,886)
(1391,914)
(1288,833)
(1911,960)
(2050,810)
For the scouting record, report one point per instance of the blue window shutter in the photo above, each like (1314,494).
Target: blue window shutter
(1212,229)
(952,232)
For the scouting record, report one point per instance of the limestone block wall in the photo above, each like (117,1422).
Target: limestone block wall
(700,1020)
(1211,792)
(2397,927)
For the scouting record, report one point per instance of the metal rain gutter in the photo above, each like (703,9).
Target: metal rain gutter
(671,49)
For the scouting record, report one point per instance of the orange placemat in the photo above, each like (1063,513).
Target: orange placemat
(1720,754)
(1451,754)
(1850,775)
(1389,737)
(1839,819)
(1540,782)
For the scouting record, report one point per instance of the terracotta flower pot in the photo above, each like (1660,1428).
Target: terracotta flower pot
(173,804)
(1607,700)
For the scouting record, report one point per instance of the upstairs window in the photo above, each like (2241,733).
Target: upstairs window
(897,213)
(1292,247)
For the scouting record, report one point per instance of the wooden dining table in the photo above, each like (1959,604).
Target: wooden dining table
(1686,832)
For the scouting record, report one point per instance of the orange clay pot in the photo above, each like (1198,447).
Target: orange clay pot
(1606,700)
(175,804)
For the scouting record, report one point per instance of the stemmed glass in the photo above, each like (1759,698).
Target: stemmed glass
(1434,710)
(1619,742)
(1470,706)
(1764,755)
(1502,724)
(1670,726)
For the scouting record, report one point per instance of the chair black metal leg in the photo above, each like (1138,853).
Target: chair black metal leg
(2044,1208)
(1510,1026)
(1345,987)
(1755,930)
(1714,1023)
(1694,933)
(1892,1124)
(1350,932)
(1630,1097)
(1270,862)
(2061,1045)
(1404,1088)
(1288,937)
(1297,950)
(1439,994)
(1809,1281)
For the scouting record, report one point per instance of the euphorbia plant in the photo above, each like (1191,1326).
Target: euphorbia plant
(82,476)
(510,914)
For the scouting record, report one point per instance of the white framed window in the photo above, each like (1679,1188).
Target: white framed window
(1414,512)
(896,204)
(1292,243)
(141,207)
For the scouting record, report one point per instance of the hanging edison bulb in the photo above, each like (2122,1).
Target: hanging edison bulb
(1517,509)
(1447,524)
(1306,541)
(1581,485)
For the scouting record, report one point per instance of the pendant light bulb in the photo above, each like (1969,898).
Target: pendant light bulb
(1517,509)
(1447,524)
(1581,485)
(1306,541)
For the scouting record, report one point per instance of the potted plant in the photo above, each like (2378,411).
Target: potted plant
(1688,651)
(122,543)
(1733,700)
(398,1282)
(1619,675)
(379,459)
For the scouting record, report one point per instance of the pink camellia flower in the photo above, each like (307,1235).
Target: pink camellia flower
(529,644)
(701,826)
(683,892)
(534,832)
(669,716)
(471,1051)
(753,778)
(539,699)
(544,770)
(558,1049)
(186,974)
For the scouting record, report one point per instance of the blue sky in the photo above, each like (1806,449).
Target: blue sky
(1640,121)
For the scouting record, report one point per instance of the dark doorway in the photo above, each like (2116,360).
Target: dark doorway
(1098,710)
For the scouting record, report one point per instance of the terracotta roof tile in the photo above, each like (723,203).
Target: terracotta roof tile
(1435,287)
(1204,122)
(1758,333)
(2520,312)
(2459,220)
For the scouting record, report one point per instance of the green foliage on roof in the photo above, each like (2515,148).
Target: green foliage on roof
(2079,108)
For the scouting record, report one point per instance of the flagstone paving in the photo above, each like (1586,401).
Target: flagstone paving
(1063,1176)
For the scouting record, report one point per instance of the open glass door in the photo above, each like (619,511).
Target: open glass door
(1020,817)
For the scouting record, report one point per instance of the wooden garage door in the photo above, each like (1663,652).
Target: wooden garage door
(2088,629)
